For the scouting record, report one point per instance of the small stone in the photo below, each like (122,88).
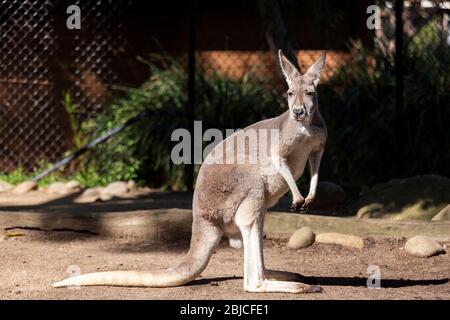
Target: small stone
(302,238)
(57,188)
(73,186)
(5,186)
(91,192)
(106,197)
(131,185)
(25,187)
(345,240)
(117,188)
(364,189)
(422,246)
(414,198)
(443,215)
(90,195)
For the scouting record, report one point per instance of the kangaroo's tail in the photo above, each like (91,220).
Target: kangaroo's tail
(205,238)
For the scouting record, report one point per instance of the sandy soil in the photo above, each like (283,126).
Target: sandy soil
(32,260)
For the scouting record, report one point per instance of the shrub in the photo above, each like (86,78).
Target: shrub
(359,106)
(142,152)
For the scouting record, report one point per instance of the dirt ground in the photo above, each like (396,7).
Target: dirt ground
(32,260)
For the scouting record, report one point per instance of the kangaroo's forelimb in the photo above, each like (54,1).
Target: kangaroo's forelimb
(283,169)
(314,164)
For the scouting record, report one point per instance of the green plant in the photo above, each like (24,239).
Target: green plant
(359,106)
(20,175)
(142,152)
(14,177)
(75,125)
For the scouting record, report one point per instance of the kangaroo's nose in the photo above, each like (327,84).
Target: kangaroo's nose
(299,112)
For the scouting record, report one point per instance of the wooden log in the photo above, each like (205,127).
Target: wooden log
(175,224)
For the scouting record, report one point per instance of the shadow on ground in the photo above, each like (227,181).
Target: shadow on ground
(142,201)
(85,219)
(340,281)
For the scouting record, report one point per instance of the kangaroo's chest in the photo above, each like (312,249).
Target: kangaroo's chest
(296,159)
(276,185)
(298,152)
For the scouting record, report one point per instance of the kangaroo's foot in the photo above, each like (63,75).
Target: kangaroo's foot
(255,275)
(284,281)
(283,287)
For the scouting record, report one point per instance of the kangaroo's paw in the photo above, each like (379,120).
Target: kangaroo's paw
(307,204)
(298,206)
(283,287)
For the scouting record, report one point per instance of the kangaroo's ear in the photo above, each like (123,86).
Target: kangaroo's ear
(316,68)
(290,72)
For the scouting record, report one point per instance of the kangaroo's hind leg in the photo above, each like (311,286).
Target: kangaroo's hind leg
(250,220)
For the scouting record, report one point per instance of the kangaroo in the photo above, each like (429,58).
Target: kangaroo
(232,199)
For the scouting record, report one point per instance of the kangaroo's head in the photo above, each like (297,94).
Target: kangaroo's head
(302,92)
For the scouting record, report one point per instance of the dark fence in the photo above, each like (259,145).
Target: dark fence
(53,78)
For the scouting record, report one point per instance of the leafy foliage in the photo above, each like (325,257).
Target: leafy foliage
(143,151)
(367,142)
(20,175)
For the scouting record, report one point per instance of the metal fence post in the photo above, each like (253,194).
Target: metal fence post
(399,121)
(189,178)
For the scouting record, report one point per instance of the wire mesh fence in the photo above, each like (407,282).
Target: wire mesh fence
(53,80)
(29,128)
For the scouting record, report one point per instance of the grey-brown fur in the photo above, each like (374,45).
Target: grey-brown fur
(232,199)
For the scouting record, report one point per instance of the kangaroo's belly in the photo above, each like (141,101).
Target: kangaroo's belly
(276,187)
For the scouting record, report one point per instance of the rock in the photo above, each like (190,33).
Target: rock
(352,190)
(106,197)
(57,188)
(92,192)
(443,215)
(73,186)
(416,198)
(131,185)
(118,188)
(364,189)
(302,238)
(5,186)
(329,196)
(345,240)
(422,246)
(90,195)
(25,187)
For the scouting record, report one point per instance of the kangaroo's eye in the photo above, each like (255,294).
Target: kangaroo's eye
(310,93)
(290,93)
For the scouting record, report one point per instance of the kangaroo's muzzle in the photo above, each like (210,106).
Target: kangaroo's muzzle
(300,113)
